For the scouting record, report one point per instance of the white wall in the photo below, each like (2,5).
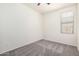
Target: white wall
(53,27)
(78,26)
(19,25)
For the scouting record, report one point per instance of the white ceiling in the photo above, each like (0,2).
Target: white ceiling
(43,7)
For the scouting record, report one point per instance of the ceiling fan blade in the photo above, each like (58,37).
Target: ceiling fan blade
(48,3)
(38,4)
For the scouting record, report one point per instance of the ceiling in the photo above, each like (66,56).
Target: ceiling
(43,7)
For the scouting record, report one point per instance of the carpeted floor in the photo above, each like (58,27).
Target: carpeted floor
(44,48)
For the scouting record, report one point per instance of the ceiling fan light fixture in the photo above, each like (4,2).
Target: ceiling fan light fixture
(40,4)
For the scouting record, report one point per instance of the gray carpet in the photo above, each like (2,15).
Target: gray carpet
(44,48)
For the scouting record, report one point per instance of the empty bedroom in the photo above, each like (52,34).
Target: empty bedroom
(39,29)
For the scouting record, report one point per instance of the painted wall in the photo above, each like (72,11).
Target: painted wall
(52,27)
(78,26)
(19,25)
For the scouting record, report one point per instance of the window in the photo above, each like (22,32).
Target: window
(67,22)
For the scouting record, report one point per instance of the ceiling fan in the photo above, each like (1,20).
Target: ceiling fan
(40,4)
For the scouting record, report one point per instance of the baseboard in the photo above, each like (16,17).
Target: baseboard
(20,46)
(59,42)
